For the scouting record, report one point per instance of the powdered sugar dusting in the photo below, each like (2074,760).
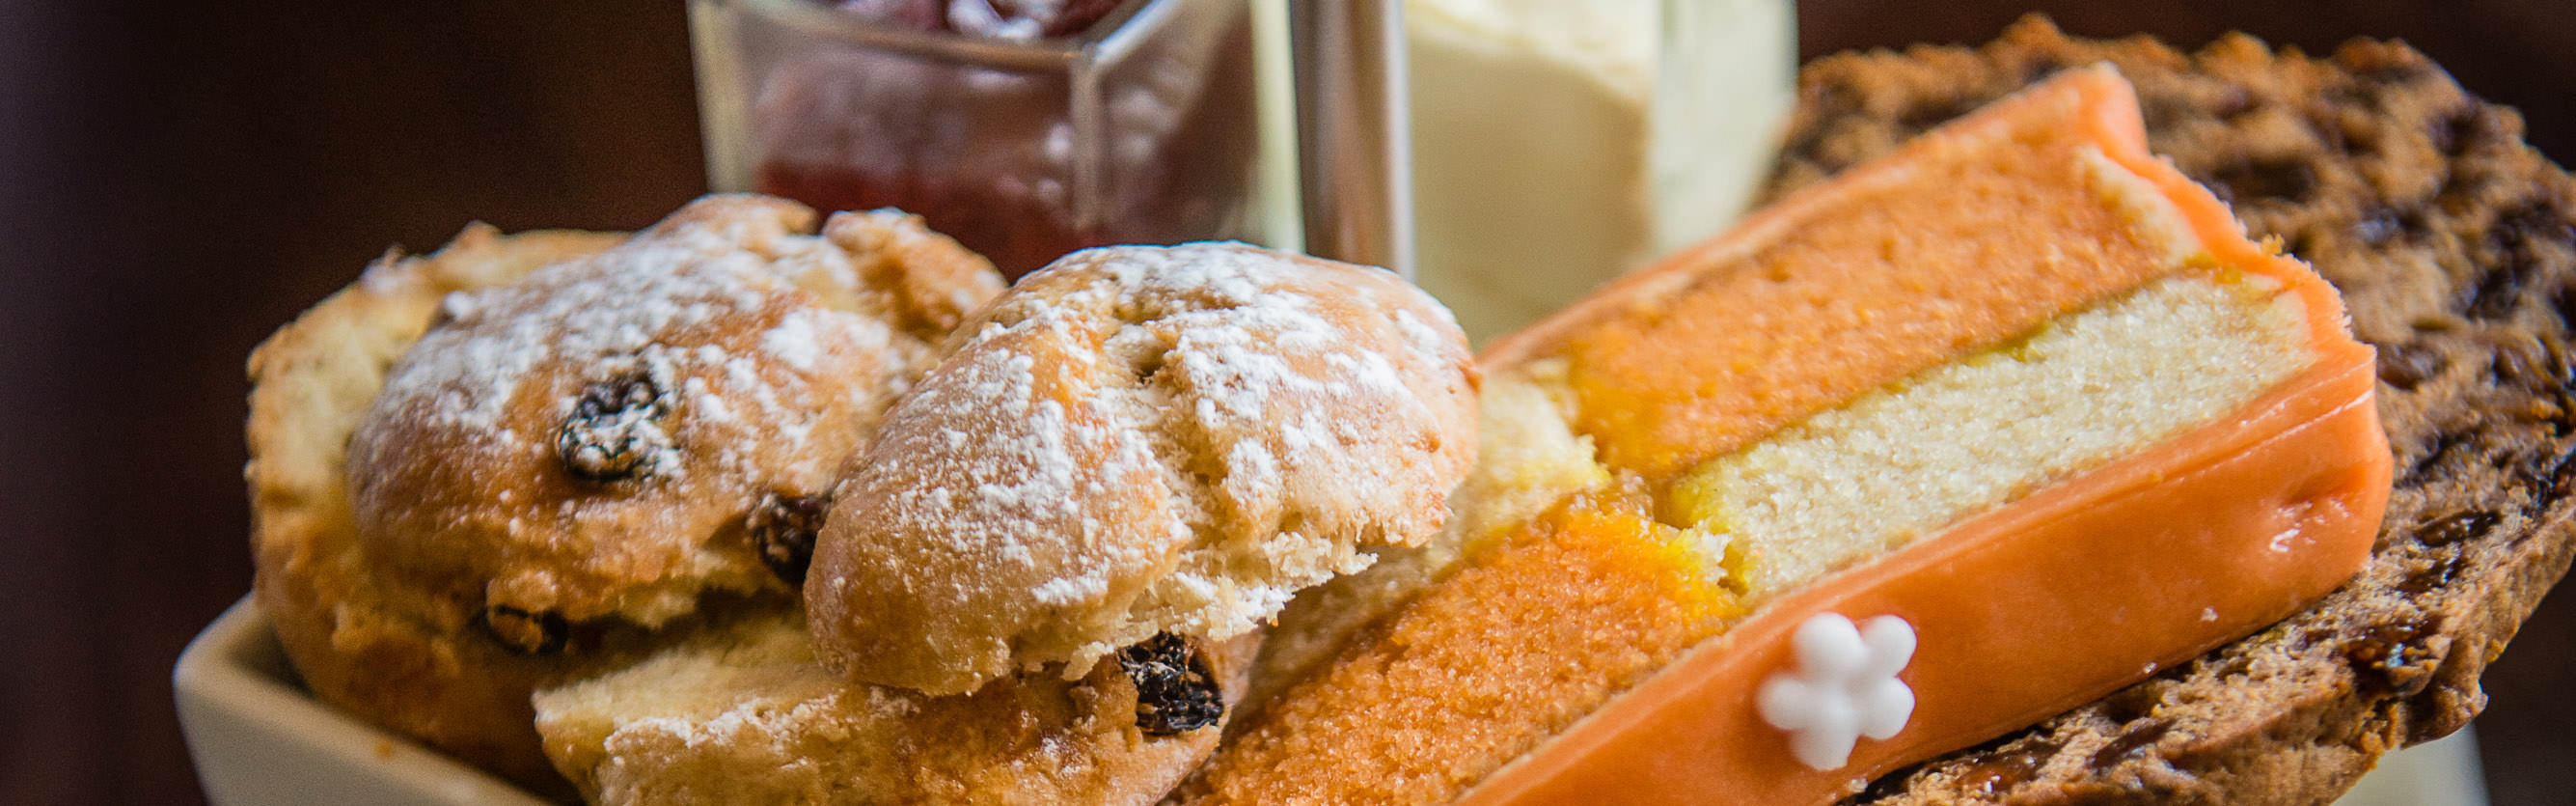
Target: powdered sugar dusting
(763,376)
(793,341)
(1146,439)
(1020,461)
(651,306)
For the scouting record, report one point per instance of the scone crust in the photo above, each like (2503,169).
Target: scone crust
(2450,241)
(1139,440)
(776,728)
(360,644)
(722,358)
(377,638)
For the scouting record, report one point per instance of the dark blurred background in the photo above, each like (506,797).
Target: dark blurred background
(176,181)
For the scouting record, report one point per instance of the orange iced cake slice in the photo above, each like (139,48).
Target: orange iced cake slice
(1968,436)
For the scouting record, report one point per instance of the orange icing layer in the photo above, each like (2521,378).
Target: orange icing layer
(2047,603)
(2024,611)
(2033,609)
(1946,248)
(1575,607)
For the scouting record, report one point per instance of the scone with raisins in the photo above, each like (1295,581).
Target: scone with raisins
(1138,441)
(592,443)
(1049,570)
(384,653)
(550,500)
(530,459)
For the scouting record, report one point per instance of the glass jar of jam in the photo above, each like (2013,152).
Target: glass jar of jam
(1024,128)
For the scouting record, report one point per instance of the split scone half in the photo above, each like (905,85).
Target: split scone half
(1965,437)
(747,715)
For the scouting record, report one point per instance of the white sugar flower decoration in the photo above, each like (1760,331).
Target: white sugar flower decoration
(1844,687)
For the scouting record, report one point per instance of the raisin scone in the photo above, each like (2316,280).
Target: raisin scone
(2454,245)
(531,458)
(406,669)
(613,437)
(1138,441)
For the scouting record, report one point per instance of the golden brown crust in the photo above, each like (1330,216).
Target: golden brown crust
(1140,440)
(404,648)
(358,644)
(746,716)
(2452,243)
(586,443)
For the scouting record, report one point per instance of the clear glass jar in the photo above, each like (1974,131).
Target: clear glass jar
(1022,143)
(1557,145)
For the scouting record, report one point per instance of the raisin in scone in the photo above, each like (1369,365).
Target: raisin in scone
(2454,245)
(398,663)
(531,458)
(1138,441)
(1232,377)
(614,437)
(746,715)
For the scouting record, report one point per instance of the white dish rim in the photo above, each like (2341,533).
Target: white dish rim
(234,685)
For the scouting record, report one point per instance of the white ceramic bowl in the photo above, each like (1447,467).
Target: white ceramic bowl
(261,740)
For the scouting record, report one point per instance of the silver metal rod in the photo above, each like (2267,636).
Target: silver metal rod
(1354,146)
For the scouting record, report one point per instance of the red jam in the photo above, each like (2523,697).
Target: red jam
(1023,164)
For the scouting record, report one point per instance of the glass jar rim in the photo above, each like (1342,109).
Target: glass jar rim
(824,20)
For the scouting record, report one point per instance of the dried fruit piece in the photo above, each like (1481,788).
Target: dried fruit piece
(2430,577)
(782,527)
(1175,692)
(2513,255)
(2550,483)
(1997,771)
(614,429)
(2406,366)
(2457,527)
(2130,742)
(2251,180)
(2444,444)
(528,633)
(2392,658)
